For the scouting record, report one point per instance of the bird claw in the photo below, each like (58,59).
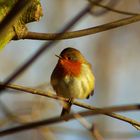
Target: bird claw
(70,101)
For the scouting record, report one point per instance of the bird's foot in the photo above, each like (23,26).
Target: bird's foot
(70,101)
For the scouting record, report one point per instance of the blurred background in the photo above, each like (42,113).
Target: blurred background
(114,56)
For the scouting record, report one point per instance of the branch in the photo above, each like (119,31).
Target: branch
(53,120)
(91,127)
(19,13)
(50,95)
(95,12)
(84,32)
(96,132)
(111,9)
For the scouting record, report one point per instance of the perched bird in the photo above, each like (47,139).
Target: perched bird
(72,77)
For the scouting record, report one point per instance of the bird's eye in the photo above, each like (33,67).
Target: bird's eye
(69,58)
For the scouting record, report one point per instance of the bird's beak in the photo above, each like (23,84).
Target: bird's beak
(58,56)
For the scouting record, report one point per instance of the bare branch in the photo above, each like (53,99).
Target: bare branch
(92,128)
(84,32)
(103,11)
(111,9)
(67,117)
(50,95)
(96,133)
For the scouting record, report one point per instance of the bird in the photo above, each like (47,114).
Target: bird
(72,77)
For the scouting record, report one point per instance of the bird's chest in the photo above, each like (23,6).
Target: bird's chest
(67,68)
(76,86)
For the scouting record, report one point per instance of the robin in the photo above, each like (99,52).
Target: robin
(72,77)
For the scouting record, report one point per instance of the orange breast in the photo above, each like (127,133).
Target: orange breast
(69,67)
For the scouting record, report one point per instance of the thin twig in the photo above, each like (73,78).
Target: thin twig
(121,134)
(82,121)
(96,133)
(92,128)
(84,32)
(92,9)
(53,120)
(103,11)
(50,95)
(111,9)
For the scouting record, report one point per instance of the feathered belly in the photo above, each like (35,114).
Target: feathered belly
(76,87)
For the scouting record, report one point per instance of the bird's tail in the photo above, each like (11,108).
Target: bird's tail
(66,108)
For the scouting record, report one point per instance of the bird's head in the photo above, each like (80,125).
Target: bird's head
(70,61)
